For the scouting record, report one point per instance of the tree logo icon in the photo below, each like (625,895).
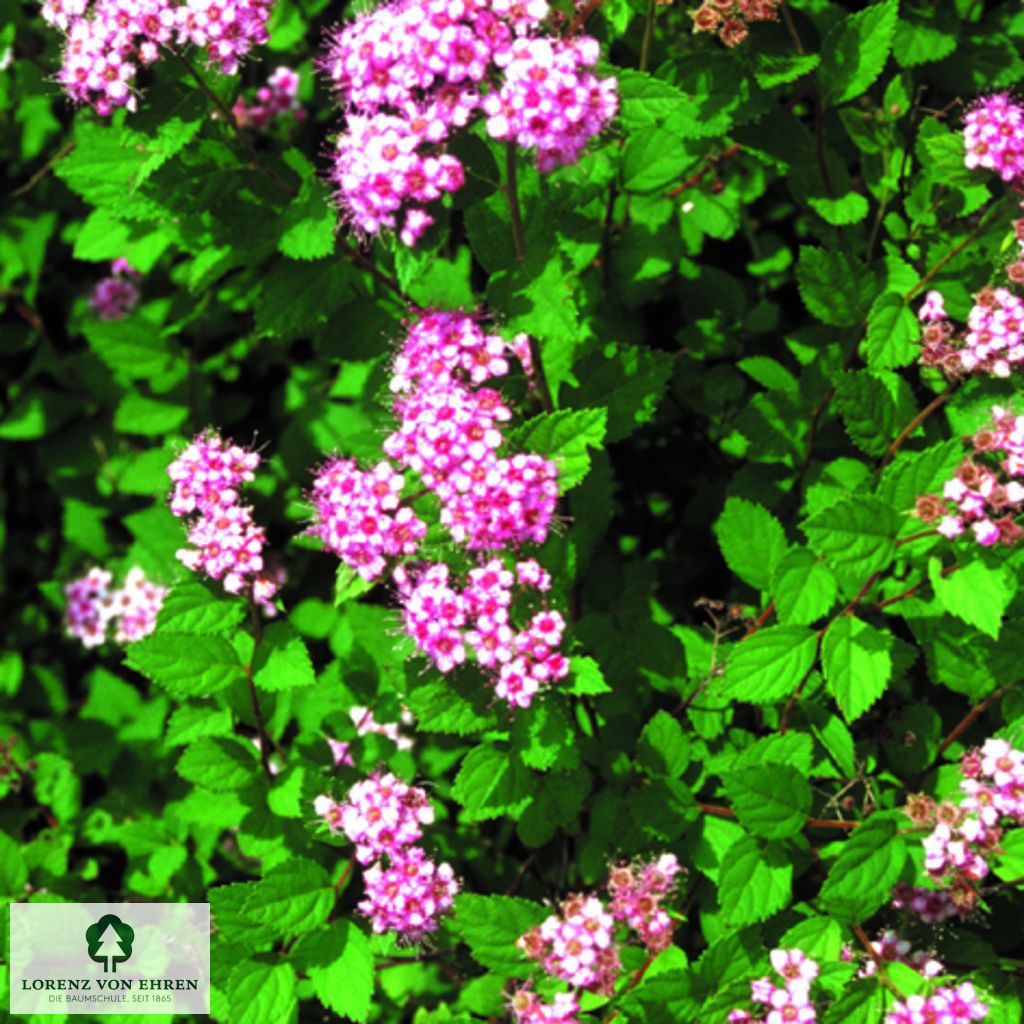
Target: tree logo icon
(110,942)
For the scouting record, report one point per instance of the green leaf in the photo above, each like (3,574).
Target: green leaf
(293,897)
(771,800)
(850,208)
(836,288)
(13,870)
(752,541)
(100,169)
(309,222)
(912,474)
(653,159)
(297,297)
(193,607)
(258,992)
(892,334)
(166,123)
(587,678)
(976,593)
(820,938)
(924,33)
(348,585)
(491,783)
(856,536)
(1009,861)
(131,347)
(770,665)
(490,926)
(543,736)
(193,721)
(148,417)
(861,1003)
(857,664)
(803,587)
(755,882)
(338,961)
(557,804)
(218,764)
(186,664)
(868,866)
(663,748)
(872,412)
(282,660)
(855,50)
(772,69)
(564,437)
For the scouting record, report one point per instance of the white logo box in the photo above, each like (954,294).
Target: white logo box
(100,958)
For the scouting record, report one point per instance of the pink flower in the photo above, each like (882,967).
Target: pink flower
(933,308)
(93,605)
(994,136)
(382,815)
(410,896)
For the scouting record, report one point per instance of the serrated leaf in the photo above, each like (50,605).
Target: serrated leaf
(587,678)
(168,121)
(490,926)
(543,736)
(803,588)
(309,222)
(755,882)
(772,69)
(348,585)
(772,800)
(834,287)
(192,722)
(297,297)
(148,417)
(218,764)
(186,664)
(862,876)
(282,660)
(259,992)
(976,593)
(439,707)
(843,210)
(769,665)
(564,437)
(131,347)
(663,748)
(192,607)
(752,541)
(857,664)
(912,474)
(492,783)
(870,406)
(338,961)
(924,33)
(819,938)
(856,536)
(892,333)
(293,897)
(855,50)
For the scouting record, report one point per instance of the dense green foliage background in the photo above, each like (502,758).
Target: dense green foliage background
(723,293)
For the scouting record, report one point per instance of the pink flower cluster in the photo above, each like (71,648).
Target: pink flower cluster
(529,1008)
(450,432)
(413,72)
(994,136)
(366,725)
(890,948)
(278,97)
(578,943)
(116,296)
(108,40)
(932,906)
(964,836)
(993,342)
(947,1005)
(548,102)
(227,544)
(731,18)
(987,493)
(788,1004)
(92,605)
(358,515)
(637,892)
(444,621)
(383,816)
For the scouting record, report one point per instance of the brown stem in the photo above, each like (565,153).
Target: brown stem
(45,169)
(645,46)
(257,714)
(728,812)
(633,982)
(581,17)
(762,618)
(937,402)
(911,591)
(512,197)
(952,254)
(711,163)
(787,17)
(916,536)
(879,963)
(543,390)
(978,709)
(371,268)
